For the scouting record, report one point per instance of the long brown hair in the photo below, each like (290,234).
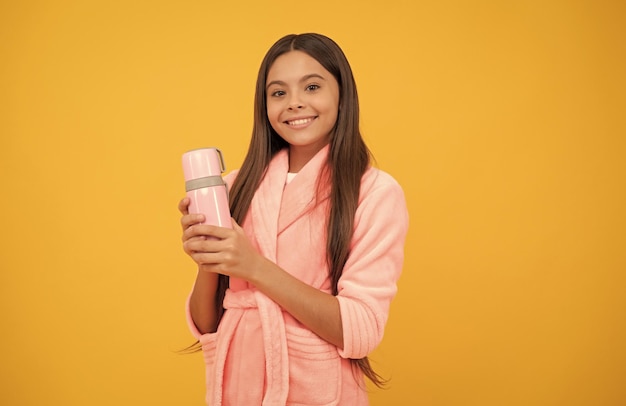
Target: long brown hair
(348,158)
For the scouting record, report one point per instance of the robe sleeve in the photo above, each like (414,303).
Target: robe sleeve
(369,279)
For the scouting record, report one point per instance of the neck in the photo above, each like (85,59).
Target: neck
(300,156)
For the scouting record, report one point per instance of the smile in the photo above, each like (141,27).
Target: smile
(300,121)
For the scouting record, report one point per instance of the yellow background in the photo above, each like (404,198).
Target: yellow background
(503,121)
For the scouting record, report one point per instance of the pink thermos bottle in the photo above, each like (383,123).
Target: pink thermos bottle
(206,189)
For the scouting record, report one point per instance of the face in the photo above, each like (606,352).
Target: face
(302,104)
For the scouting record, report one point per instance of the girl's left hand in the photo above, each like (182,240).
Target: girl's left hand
(229,252)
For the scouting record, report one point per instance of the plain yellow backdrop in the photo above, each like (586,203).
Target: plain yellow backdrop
(503,121)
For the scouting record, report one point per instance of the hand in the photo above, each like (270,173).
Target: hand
(188,220)
(218,249)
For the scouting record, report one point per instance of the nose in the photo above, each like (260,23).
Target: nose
(295,103)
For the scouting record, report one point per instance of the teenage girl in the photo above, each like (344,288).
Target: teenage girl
(288,304)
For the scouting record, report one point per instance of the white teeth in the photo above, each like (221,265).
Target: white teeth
(300,121)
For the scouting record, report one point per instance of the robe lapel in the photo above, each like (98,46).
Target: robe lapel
(276,206)
(299,196)
(265,205)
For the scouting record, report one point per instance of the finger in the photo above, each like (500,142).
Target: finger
(209,230)
(202,258)
(208,258)
(183,205)
(189,247)
(188,220)
(201,244)
(212,263)
(218,232)
(236,226)
(238,229)
(195,229)
(196,238)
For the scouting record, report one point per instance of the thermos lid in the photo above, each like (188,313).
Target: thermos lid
(203,162)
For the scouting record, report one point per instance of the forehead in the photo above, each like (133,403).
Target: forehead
(293,65)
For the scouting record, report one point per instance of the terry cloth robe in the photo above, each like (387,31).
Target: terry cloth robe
(260,354)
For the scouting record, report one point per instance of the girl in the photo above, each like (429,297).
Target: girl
(288,305)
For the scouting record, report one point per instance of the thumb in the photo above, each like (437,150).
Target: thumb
(236,226)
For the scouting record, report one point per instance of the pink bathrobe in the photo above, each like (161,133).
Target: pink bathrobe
(260,354)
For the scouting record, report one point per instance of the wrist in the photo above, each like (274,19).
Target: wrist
(261,271)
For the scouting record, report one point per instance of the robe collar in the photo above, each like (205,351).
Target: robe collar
(277,205)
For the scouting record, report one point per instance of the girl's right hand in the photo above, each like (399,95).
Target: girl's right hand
(188,220)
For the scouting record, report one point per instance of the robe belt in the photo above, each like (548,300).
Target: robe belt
(274,342)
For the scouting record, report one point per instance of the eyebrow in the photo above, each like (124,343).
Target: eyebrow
(303,79)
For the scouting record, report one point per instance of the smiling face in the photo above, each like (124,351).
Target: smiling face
(302,105)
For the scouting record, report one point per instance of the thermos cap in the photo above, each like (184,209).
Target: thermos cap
(203,162)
